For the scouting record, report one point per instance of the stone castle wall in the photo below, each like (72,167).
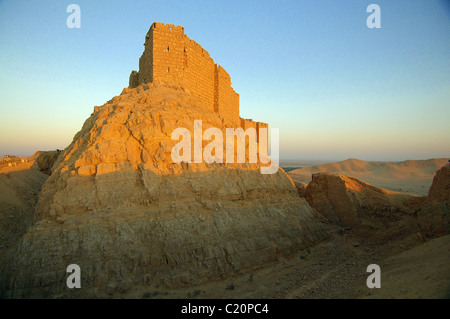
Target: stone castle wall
(246,123)
(227,100)
(170,55)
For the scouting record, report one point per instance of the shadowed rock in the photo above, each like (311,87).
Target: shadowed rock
(440,189)
(43,161)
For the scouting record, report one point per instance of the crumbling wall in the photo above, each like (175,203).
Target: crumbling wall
(170,56)
(145,74)
(246,123)
(227,102)
(134,79)
(262,125)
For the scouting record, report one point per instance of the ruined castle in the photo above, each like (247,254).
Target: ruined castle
(170,56)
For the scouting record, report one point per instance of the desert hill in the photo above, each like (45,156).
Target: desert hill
(412,176)
(158,248)
(116,205)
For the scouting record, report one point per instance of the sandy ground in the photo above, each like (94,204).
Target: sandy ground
(336,269)
(422,272)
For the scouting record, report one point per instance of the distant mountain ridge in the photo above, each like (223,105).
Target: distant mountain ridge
(413,176)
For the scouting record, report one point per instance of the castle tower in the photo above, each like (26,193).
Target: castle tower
(170,56)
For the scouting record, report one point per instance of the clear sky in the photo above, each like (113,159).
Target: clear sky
(335,88)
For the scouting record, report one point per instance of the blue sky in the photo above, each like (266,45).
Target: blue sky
(335,88)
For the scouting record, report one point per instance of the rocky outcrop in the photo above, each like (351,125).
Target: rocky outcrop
(440,189)
(43,161)
(344,200)
(372,211)
(350,202)
(435,213)
(118,206)
(301,188)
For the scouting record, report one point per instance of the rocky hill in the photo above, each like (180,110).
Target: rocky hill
(118,206)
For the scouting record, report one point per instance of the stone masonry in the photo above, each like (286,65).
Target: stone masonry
(170,56)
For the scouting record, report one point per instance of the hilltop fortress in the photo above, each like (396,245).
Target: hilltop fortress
(170,56)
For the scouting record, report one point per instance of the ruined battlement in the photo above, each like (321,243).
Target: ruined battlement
(171,56)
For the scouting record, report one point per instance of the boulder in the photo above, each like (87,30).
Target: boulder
(375,212)
(350,202)
(440,188)
(43,161)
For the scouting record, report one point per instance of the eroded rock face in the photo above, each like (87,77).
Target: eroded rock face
(118,206)
(435,213)
(301,188)
(375,212)
(350,202)
(43,161)
(328,194)
(440,189)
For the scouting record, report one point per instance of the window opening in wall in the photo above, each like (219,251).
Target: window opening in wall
(185,62)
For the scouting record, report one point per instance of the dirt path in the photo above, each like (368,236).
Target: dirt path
(335,269)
